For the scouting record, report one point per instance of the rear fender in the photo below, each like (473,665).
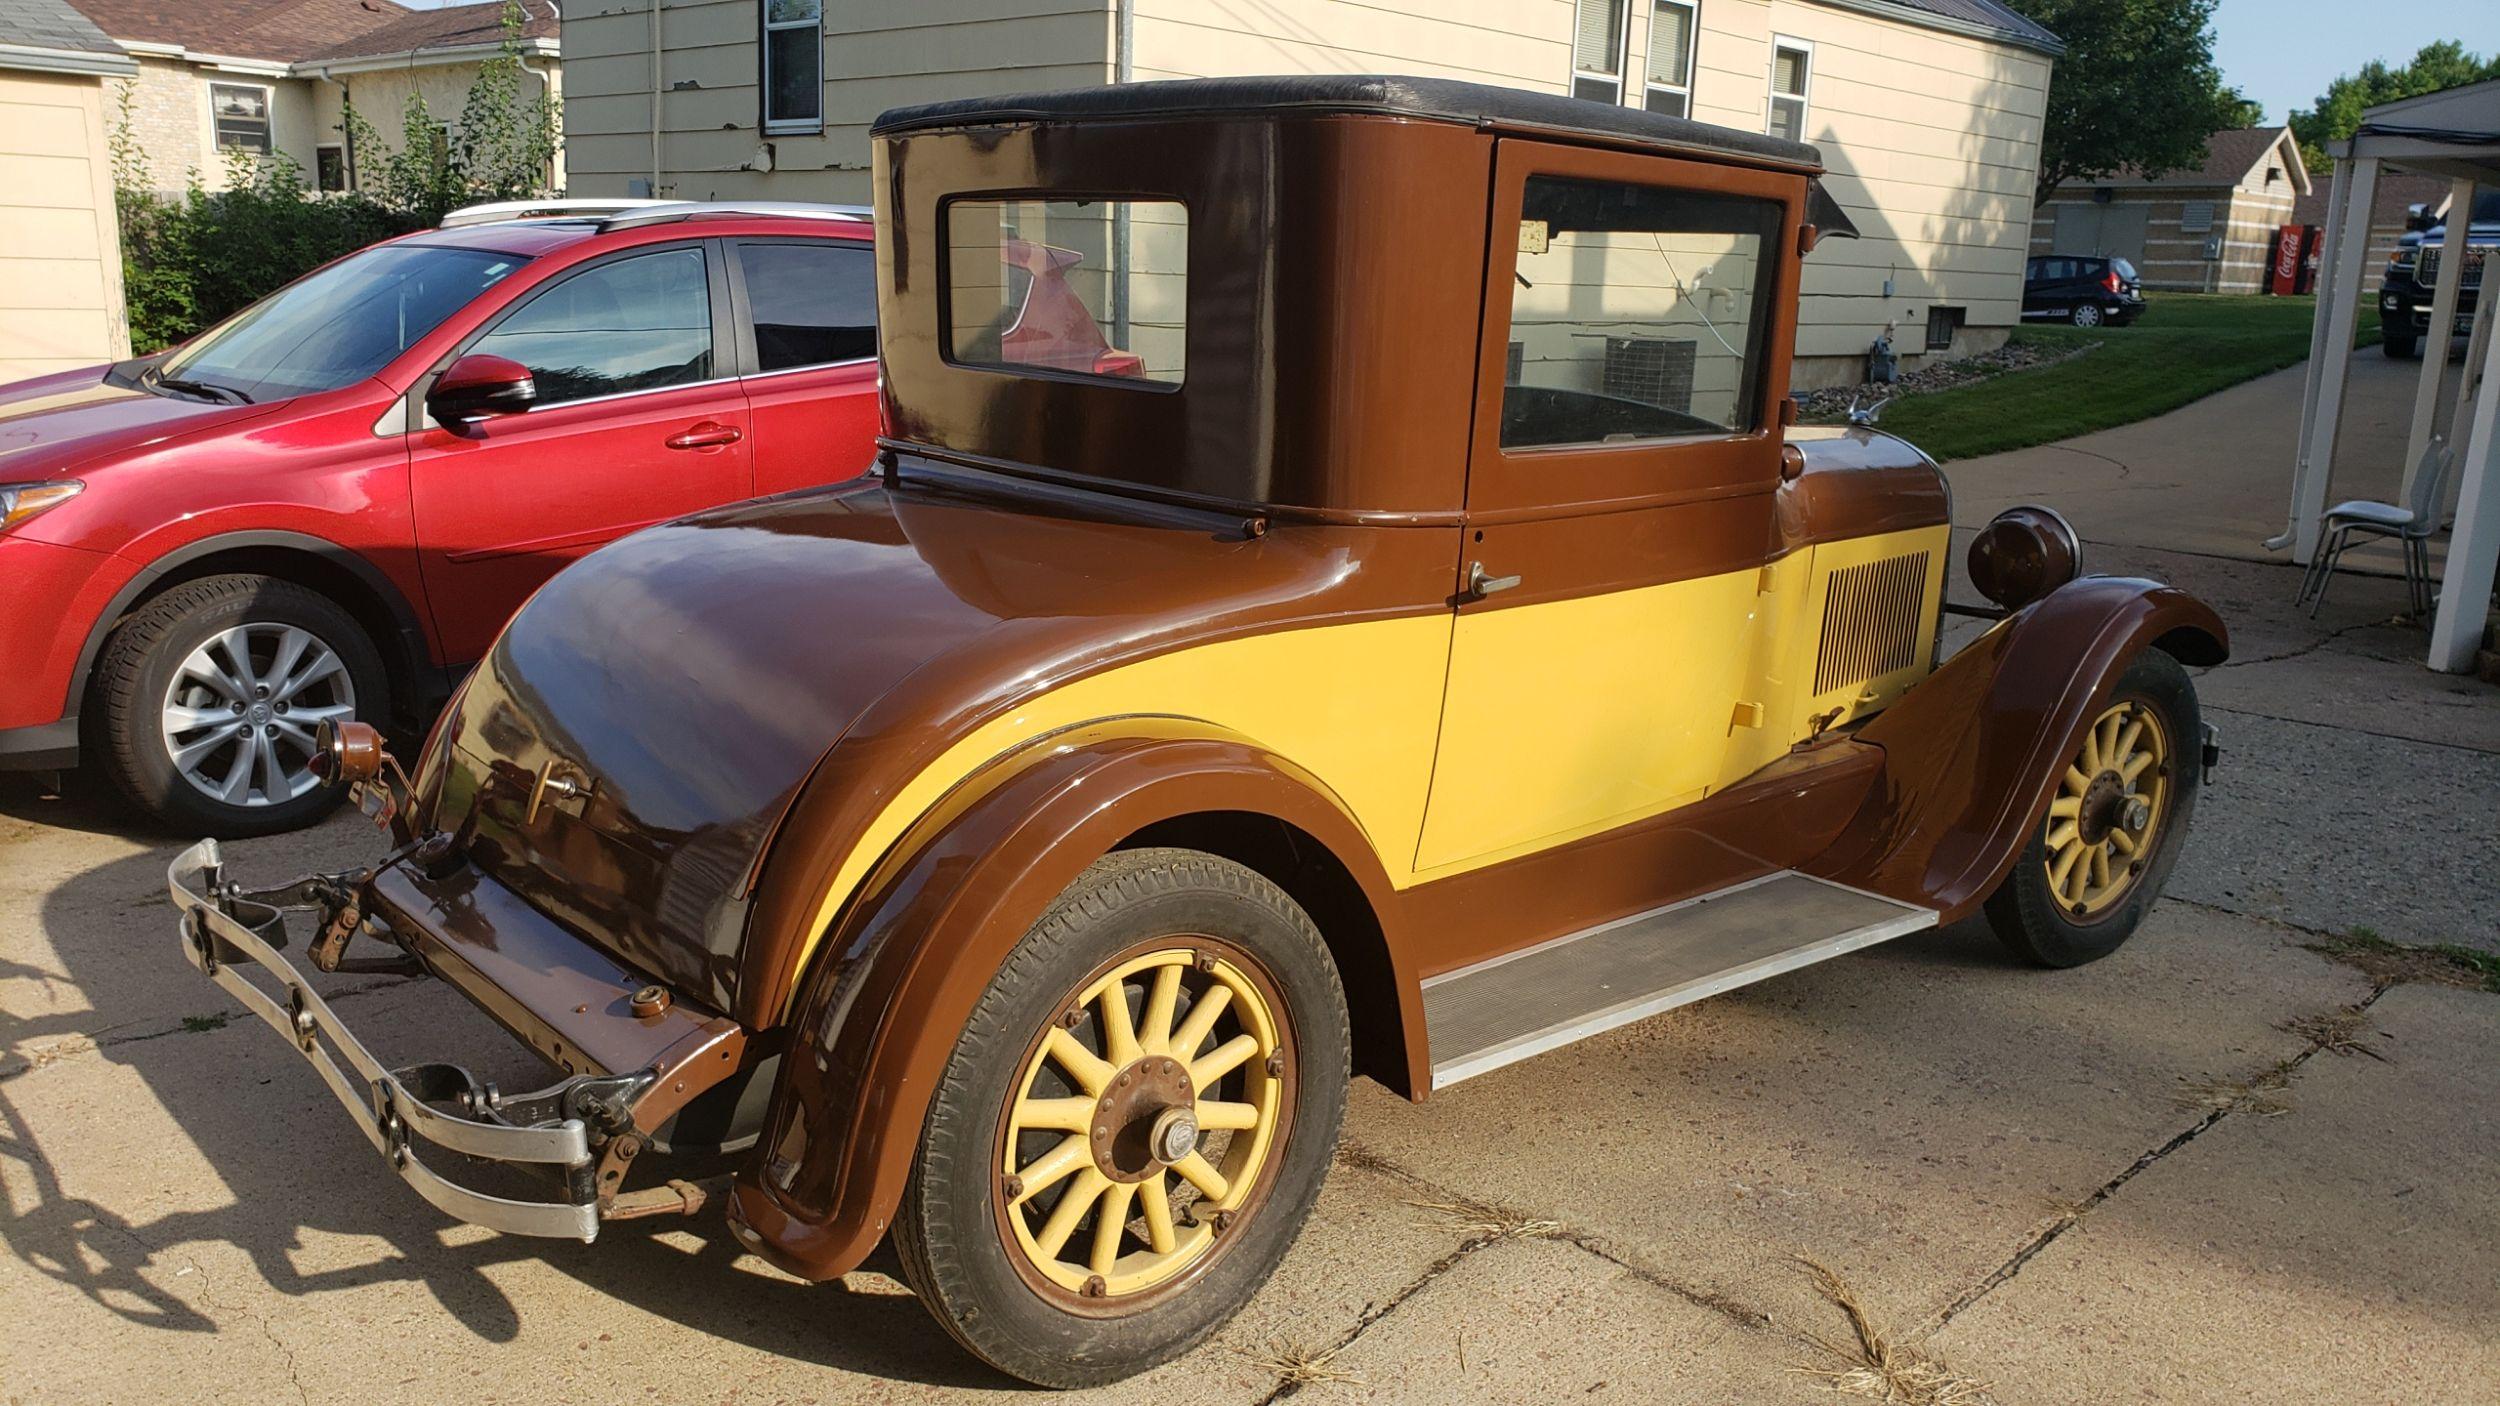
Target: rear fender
(1971,753)
(882,1005)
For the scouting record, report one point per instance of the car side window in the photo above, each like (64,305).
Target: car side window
(812,304)
(1638,313)
(634,324)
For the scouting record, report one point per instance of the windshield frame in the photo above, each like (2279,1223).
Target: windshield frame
(335,305)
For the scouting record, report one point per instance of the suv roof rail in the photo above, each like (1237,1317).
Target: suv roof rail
(494,210)
(663,211)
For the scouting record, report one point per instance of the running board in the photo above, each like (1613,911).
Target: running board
(1540,998)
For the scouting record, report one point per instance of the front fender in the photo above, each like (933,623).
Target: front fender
(882,1005)
(1971,753)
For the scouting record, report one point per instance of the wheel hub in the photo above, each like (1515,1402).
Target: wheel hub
(1145,1120)
(2105,807)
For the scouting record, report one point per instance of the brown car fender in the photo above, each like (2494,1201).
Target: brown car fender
(1971,753)
(884,1001)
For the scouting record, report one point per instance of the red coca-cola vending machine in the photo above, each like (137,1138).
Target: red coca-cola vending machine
(2294,265)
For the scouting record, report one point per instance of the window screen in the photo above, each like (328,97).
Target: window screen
(1791,71)
(794,65)
(1638,313)
(1597,51)
(1670,58)
(636,324)
(812,304)
(1093,287)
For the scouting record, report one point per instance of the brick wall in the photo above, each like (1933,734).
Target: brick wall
(2174,257)
(164,110)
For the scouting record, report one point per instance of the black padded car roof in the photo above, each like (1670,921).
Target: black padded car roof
(1430,99)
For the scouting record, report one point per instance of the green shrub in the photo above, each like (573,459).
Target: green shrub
(191,259)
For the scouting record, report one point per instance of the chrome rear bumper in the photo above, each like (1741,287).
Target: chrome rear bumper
(224,931)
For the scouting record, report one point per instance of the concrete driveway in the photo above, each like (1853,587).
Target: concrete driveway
(2218,1166)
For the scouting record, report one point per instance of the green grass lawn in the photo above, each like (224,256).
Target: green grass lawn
(2186,346)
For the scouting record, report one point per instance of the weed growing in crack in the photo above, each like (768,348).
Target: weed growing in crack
(1295,1368)
(1478,1221)
(1874,1365)
(2255,1094)
(202,1024)
(2336,1032)
(2438,963)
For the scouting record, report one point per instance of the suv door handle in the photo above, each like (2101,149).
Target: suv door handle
(1480,585)
(707,435)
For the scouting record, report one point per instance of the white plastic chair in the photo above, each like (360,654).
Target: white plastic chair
(2411,527)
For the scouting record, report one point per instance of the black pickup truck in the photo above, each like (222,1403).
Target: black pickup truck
(2404,295)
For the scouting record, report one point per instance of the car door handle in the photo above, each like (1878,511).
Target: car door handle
(708,435)
(1479,585)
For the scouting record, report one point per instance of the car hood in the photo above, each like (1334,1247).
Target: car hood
(680,688)
(54,425)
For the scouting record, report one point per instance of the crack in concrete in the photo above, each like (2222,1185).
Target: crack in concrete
(2312,647)
(2357,731)
(76,1045)
(2073,1216)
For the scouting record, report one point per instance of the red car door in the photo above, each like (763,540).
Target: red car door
(638,419)
(808,320)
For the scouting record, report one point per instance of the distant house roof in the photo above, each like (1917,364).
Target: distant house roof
(1985,19)
(2229,157)
(452,27)
(280,30)
(49,36)
(2388,199)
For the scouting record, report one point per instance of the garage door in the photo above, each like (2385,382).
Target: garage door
(2113,231)
(60,264)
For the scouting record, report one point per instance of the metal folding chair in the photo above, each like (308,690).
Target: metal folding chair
(2411,526)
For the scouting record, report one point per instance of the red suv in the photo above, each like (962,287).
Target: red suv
(327,505)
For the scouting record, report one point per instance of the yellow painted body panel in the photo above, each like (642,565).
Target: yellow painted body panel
(1563,719)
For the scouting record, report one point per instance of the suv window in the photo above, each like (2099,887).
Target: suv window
(636,324)
(812,304)
(1638,312)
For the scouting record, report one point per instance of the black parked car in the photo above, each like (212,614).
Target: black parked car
(2404,295)
(2084,291)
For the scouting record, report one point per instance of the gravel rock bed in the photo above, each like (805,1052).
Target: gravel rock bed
(1833,401)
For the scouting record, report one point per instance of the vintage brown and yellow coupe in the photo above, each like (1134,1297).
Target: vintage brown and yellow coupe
(1366,614)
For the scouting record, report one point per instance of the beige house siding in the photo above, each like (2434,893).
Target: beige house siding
(381,98)
(60,260)
(1932,137)
(169,115)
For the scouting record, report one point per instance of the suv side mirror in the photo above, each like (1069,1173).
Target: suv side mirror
(477,386)
(2417,218)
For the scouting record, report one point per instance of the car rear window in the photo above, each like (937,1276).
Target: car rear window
(2125,270)
(1069,287)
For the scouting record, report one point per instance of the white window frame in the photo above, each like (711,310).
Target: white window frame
(779,126)
(345,182)
(1621,77)
(1692,52)
(1772,97)
(268,116)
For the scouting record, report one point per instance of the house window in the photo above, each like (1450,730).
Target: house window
(1942,323)
(241,114)
(1597,51)
(330,168)
(794,65)
(1671,29)
(1792,73)
(2196,217)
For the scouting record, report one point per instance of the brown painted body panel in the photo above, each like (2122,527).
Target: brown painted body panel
(1972,754)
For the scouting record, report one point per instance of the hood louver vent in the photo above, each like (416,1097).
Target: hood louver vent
(1870,621)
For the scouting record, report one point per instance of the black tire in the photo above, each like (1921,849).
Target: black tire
(2400,346)
(948,1233)
(2085,315)
(137,668)
(2030,918)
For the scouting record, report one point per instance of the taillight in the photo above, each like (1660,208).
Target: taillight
(2109,280)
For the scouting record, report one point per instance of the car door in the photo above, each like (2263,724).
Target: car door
(638,419)
(807,328)
(1621,474)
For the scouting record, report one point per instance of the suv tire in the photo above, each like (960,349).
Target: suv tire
(271,655)
(2044,910)
(1048,1291)
(2400,346)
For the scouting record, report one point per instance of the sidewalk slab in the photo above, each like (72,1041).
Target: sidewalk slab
(2342,1251)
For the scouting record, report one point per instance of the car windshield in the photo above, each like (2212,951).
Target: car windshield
(338,325)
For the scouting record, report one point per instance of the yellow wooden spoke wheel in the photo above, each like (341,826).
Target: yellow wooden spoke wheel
(2106,818)
(1143,1122)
